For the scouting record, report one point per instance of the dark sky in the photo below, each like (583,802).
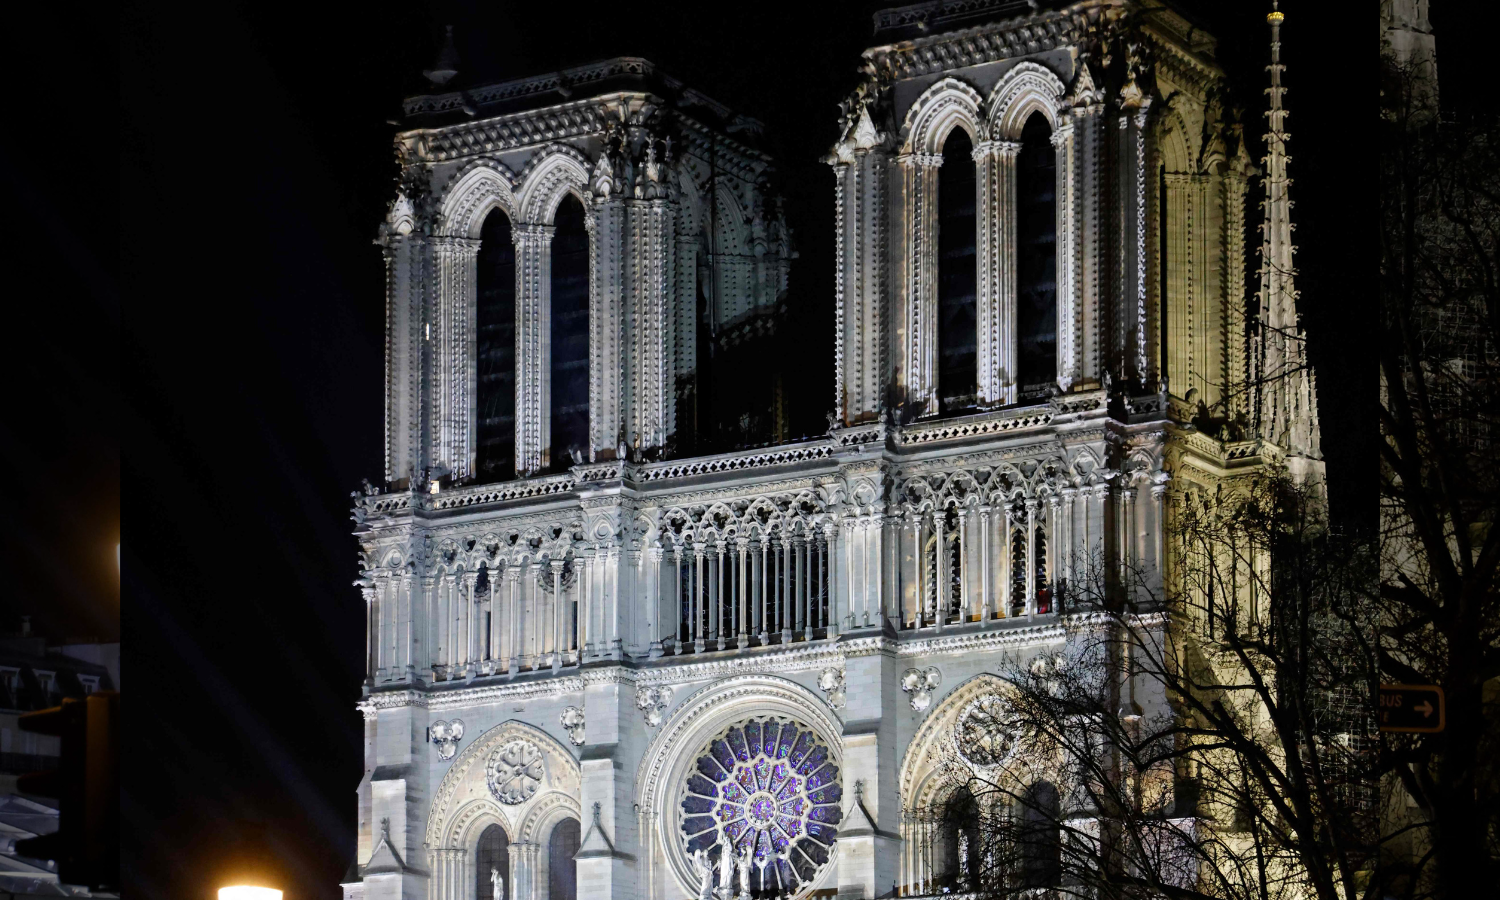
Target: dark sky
(256,167)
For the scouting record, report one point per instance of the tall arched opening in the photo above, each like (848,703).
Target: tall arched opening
(562,871)
(1036,262)
(492,859)
(495,351)
(569,335)
(957,273)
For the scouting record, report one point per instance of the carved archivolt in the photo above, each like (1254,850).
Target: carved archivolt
(929,766)
(552,172)
(960,737)
(464,791)
(946,105)
(1029,87)
(478,188)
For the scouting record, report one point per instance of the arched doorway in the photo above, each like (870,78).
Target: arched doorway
(562,871)
(492,857)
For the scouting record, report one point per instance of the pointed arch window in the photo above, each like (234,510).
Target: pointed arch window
(1041,846)
(492,856)
(1036,262)
(562,871)
(495,324)
(957,275)
(569,384)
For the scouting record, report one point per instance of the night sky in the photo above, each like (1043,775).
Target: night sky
(256,166)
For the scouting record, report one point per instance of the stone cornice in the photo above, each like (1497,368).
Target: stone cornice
(810,657)
(1020,36)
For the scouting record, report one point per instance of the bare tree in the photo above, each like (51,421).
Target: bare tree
(1211,741)
(1440,398)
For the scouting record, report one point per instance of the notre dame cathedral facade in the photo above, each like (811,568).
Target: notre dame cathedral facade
(605,662)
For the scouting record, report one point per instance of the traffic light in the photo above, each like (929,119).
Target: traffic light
(86,845)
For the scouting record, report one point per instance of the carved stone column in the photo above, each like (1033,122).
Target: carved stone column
(558,642)
(648,342)
(412,624)
(1091,254)
(372,633)
(533,346)
(470,614)
(986,597)
(1132,338)
(513,610)
(406,342)
(1069,298)
(1031,585)
(654,556)
(861,279)
(996,347)
(917,321)
(452,343)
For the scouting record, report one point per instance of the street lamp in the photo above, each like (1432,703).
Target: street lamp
(246,892)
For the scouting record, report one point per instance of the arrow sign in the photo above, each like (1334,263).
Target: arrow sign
(1412,708)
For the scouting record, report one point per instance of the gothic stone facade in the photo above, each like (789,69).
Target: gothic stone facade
(772,649)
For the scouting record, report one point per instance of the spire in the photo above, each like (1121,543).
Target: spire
(1286,412)
(446,65)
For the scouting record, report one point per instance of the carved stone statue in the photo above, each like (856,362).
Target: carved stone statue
(726,873)
(705,873)
(963,860)
(497,885)
(743,864)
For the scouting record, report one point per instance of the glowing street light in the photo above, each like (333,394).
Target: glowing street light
(246,892)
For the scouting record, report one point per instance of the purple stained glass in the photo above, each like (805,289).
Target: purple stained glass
(750,789)
(778,775)
(799,750)
(736,740)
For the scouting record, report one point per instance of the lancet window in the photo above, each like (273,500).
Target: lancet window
(562,871)
(957,272)
(495,326)
(1036,256)
(492,856)
(569,385)
(1041,848)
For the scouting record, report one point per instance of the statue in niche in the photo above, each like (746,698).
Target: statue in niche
(497,885)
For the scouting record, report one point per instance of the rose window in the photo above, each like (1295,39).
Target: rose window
(983,733)
(769,788)
(515,771)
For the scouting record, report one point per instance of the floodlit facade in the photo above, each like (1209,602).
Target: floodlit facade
(596,658)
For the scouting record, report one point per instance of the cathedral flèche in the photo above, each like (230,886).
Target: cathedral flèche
(610,658)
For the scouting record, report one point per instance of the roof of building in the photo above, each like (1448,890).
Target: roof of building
(621,74)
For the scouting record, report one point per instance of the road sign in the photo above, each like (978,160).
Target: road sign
(1412,708)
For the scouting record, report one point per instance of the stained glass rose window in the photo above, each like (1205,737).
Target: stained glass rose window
(769,788)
